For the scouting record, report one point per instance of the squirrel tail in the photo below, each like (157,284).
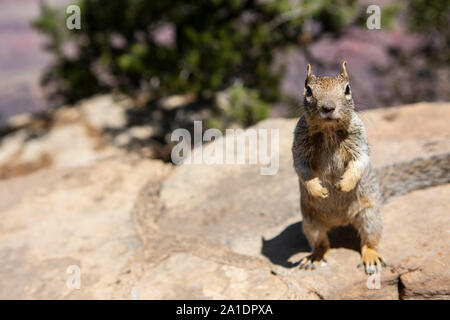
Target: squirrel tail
(419,173)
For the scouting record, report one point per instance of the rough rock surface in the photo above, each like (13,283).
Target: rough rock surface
(92,130)
(253,221)
(140,229)
(80,216)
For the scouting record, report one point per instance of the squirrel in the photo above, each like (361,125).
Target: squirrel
(337,184)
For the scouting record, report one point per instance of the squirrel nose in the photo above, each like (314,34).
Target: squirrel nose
(328,106)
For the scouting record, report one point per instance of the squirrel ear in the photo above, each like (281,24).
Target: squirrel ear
(344,69)
(308,71)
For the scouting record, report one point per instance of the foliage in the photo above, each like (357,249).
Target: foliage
(156,48)
(238,105)
(431,18)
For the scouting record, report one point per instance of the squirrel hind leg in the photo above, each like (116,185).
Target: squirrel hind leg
(318,239)
(369,224)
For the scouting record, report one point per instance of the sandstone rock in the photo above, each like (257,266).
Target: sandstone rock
(105,112)
(177,101)
(184,276)
(77,135)
(258,216)
(140,230)
(63,146)
(422,285)
(80,216)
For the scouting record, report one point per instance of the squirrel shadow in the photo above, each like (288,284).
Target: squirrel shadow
(292,241)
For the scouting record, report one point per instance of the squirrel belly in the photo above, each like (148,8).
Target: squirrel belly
(331,152)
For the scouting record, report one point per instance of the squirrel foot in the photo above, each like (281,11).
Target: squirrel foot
(316,258)
(371,260)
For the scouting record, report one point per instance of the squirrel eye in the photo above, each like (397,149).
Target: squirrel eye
(347,89)
(308,91)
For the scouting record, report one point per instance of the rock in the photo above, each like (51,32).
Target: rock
(20,120)
(93,129)
(176,101)
(257,217)
(142,230)
(185,276)
(63,146)
(423,285)
(105,111)
(419,249)
(80,216)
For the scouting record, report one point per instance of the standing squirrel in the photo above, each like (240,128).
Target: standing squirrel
(337,185)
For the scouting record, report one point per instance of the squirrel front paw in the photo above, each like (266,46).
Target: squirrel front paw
(316,189)
(345,184)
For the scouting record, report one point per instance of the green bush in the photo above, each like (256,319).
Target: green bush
(210,45)
(238,105)
(431,18)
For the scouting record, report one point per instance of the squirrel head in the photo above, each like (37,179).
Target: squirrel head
(328,100)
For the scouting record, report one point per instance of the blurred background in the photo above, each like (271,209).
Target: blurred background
(227,62)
